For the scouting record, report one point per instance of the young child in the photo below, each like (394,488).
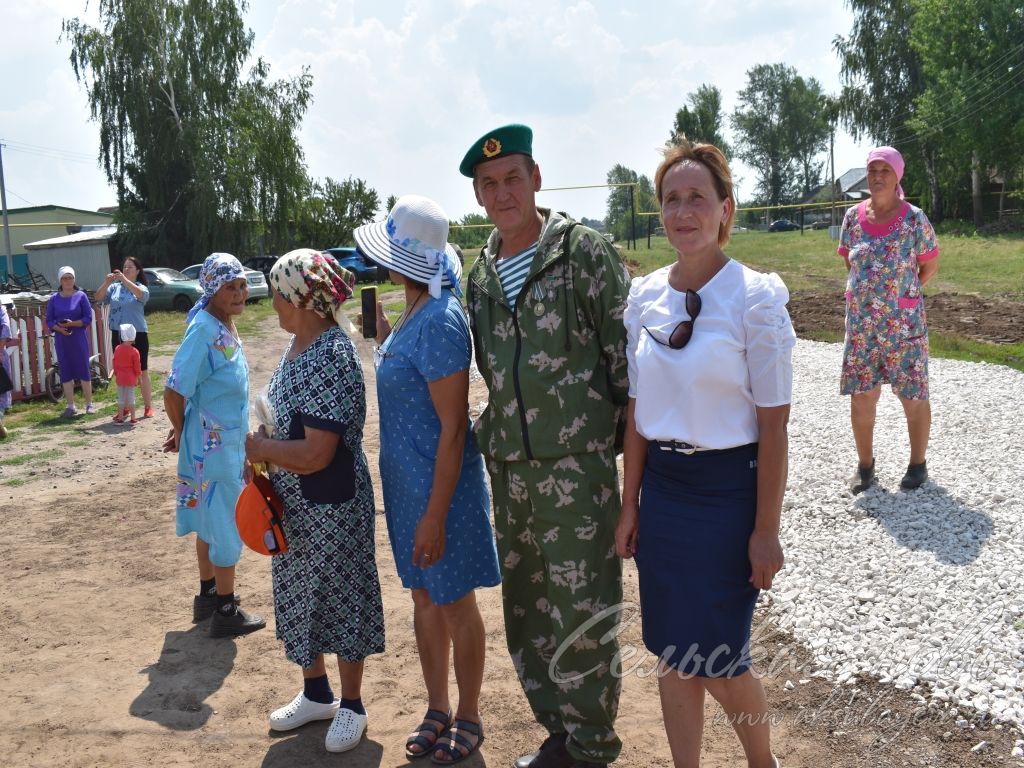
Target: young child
(127,370)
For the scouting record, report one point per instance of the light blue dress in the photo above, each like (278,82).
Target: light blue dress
(125,308)
(435,343)
(210,371)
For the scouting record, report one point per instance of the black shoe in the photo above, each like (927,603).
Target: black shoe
(862,479)
(552,754)
(916,475)
(238,622)
(203,606)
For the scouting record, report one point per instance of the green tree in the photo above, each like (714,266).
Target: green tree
(973,102)
(619,219)
(201,159)
(702,120)
(471,231)
(331,210)
(781,128)
(882,79)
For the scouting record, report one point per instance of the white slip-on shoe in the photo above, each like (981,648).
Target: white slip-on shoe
(345,732)
(301,711)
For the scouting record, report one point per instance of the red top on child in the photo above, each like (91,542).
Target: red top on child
(127,361)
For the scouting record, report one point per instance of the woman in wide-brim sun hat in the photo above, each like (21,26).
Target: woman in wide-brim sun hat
(435,496)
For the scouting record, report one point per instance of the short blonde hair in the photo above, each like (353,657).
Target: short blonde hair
(710,157)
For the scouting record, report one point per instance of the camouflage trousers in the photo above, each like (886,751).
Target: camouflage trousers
(561,587)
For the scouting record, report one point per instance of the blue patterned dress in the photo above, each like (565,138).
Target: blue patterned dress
(326,590)
(211,373)
(433,344)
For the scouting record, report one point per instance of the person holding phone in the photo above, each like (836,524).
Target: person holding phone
(435,494)
(327,597)
(126,290)
(68,315)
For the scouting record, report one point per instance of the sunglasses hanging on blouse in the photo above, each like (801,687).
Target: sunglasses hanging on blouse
(682,333)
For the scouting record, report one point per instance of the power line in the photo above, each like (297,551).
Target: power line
(959,117)
(981,81)
(12,192)
(25,146)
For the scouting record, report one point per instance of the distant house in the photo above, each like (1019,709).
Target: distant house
(853,185)
(88,252)
(42,222)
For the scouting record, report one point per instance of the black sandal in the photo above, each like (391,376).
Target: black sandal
(455,739)
(435,723)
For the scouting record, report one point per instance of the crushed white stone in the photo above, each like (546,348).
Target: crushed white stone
(923,589)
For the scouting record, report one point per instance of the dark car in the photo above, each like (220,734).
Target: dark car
(261,264)
(783,225)
(365,270)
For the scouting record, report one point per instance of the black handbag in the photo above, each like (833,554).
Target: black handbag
(6,385)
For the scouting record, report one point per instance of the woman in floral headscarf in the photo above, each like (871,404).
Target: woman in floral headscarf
(890,253)
(326,591)
(207,401)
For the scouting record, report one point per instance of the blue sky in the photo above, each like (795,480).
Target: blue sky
(401,89)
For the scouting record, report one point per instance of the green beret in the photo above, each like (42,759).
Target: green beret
(512,139)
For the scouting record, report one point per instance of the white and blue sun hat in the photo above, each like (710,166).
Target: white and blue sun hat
(413,241)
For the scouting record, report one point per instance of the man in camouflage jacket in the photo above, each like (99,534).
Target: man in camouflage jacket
(555,365)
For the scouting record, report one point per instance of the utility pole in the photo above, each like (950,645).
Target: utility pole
(832,162)
(7,228)
(632,215)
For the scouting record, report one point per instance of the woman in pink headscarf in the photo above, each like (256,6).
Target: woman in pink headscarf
(890,253)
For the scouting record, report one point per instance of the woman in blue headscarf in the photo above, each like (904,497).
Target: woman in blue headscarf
(207,400)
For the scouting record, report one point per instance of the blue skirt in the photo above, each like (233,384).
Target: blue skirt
(696,515)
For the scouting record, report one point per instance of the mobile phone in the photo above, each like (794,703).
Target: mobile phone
(369,299)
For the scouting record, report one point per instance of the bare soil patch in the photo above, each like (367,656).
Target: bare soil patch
(996,320)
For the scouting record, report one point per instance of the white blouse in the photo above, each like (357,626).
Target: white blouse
(740,356)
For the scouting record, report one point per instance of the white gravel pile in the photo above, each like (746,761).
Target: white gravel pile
(924,589)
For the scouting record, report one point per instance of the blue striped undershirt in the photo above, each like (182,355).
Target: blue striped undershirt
(512,272)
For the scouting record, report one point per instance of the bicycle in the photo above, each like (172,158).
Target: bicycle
(55,389)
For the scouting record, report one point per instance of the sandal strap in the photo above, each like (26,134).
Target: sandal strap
(454,736)
(435,722)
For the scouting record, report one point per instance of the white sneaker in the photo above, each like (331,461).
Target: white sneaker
(301,711)
(345,732)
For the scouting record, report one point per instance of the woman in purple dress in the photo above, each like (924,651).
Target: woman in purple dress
(7,339)
(68,315)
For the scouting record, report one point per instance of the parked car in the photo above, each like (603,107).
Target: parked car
(783,225)
(261,264)
(170,289)
(822,224)
(258,287)
(365,270)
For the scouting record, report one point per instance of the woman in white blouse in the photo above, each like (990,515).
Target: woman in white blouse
(706,453)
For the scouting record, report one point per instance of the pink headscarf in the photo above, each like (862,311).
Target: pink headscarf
(894,160)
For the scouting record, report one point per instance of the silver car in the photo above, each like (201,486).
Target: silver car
(258,288)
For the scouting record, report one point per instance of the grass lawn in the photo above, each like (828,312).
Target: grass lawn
(808,261)
(986,266)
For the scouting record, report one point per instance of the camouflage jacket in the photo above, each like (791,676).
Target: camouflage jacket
(555,363)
